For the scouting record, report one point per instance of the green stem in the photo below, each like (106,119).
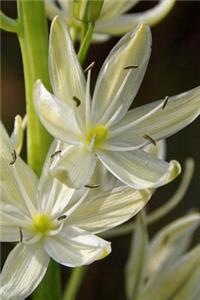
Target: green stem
(7,23)
(164,209)
(74,283)
(86,43)
(33,39)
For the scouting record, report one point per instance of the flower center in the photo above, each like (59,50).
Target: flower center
(96,136)
(42,224)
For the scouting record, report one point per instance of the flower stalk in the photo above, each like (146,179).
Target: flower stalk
(33,39)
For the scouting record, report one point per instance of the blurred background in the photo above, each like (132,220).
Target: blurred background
(174,68)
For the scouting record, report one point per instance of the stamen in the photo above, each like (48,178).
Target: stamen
(148,137)
(21,235)
(63,217)
(92,186)
(56,153)
(14,157)
(131,67)
(77,101)
(165,102)
(90,67)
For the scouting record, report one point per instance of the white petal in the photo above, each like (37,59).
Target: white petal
(9,234)
(74,247)
(18,182)
(135,267)
(168,283)
(22,272)
(17,134)
(179,112)
(159,150)
(116,87)
(66,75)
(74,167)
(109,209)
(112,8)
(170,243)
(125,23)
(138,169)
(56,116)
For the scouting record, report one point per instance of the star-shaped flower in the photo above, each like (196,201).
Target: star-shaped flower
(102,128)
(113,19)
(49,219)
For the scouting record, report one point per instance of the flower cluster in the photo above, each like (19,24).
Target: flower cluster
(105,161)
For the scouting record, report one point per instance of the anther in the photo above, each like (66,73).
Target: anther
(21,235)
(14,157)
(90,67)
(63,217)
(56,153)
(92,186)
(77,101)
(148,137)
(131,67)
(165,102)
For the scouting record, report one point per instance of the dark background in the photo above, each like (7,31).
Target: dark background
(174,68)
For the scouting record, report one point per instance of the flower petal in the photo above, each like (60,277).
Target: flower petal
(65,72)
(170,243)
(178,112)
(168,283)
(116,87)
(109,209)
(56,116)
(9,234)
(138,169)
(125,23)
(112,8)
(23,271)
(18,182)
(75,247)
(74,167)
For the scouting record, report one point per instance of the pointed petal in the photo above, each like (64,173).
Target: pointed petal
(135,267)
(170,243)
(116,87)
(17,134)
(109,209)
(178,112)
(13,173)
(66,75)
(74,167)
(125,23)
(74,247)
(112,8)
(56,116)
(167,283)
(23,271)
(138,169)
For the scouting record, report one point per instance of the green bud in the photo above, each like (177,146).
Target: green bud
(87,10)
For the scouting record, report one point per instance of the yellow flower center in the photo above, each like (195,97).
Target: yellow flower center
(42,224)
(96,136)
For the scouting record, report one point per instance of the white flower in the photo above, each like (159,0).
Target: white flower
(164,268)
(112,20)
(103,129)
(48,219)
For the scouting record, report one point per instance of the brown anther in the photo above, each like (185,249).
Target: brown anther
(21,235)
(92,186)
(14,157)
(77,101)
(165,102)
(130,67)
(63,217)
(90,67)
(148,137)
(56,153)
